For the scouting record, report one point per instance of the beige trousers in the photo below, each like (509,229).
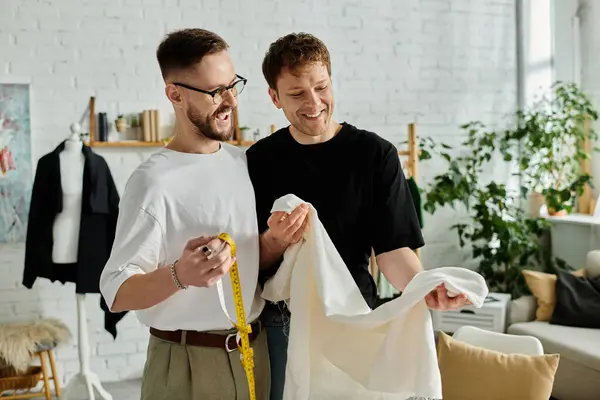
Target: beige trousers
(183,372)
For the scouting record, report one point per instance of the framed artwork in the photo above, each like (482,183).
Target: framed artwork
(15,160)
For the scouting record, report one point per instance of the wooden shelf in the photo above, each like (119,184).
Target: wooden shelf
(237,137)
(125,143)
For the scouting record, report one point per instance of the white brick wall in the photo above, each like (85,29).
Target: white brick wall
(436,62)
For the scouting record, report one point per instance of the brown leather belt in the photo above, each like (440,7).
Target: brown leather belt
(196,338)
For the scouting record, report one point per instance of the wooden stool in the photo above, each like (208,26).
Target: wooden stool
(19,386)
(21,344)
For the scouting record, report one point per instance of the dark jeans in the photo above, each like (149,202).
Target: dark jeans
(275,319)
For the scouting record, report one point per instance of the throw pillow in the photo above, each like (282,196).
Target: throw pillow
(474,373)
(577,301)
(592,267)
(543,287)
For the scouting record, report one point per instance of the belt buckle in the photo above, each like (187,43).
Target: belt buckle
(227,342)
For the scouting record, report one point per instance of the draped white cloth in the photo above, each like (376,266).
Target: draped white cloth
(341,349)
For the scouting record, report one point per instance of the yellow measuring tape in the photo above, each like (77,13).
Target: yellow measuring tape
(244,329)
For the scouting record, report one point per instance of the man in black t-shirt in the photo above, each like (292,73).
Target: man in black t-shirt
(351,176)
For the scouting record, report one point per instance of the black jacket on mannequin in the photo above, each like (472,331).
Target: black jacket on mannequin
(99,212)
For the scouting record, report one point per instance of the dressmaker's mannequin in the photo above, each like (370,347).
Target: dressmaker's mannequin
(66,224)
(64,255)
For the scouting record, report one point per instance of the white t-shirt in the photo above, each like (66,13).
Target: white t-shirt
(169,199)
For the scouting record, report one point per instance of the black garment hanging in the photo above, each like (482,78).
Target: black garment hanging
(99,212)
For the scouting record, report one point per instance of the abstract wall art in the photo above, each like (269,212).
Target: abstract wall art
(15,161)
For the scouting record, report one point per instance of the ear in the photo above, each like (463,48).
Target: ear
(174,95)
(274,98)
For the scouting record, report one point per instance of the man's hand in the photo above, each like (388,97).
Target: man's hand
(438,299)
(286,229)
(203,262)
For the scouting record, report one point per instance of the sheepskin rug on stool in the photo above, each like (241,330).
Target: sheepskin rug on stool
(19,341)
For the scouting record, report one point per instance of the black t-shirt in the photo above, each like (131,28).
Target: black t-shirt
(356,184)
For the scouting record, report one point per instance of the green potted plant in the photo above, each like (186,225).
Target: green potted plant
(503,239)
(552,133)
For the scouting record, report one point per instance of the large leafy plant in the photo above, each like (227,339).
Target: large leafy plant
(552,133)
(501,236)
(545,149)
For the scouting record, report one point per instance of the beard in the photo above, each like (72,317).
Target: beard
(312,128)
(206,125)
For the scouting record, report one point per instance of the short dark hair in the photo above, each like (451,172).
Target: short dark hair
(293,51)
(183,48)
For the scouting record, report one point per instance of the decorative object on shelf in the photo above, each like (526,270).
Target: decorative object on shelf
(15,160)
(102,127)
(147,130)
(121,124)
(245,133)
(151,126)
(135,126)
(238,139)
(95,142)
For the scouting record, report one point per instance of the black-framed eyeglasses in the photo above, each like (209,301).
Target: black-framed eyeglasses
(236,88)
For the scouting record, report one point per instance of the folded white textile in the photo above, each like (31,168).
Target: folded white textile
(341,349)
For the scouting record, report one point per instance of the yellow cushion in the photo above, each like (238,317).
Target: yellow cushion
(474,373)
(543,287)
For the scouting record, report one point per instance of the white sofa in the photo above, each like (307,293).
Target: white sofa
(578,374)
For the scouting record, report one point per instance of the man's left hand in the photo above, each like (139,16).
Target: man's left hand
(438,299)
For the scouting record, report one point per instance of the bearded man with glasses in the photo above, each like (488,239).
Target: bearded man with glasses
(167,258)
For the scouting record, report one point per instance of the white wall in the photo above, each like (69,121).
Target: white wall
(437,62)
(589,15)
(567,66)
(538,55)
(576,54)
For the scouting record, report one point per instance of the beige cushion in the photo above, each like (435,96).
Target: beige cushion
(471,372)
(578,344)
(592,267)
(543,287)
(522,309)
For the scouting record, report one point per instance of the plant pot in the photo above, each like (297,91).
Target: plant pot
(536,201)
(560,213)
(121,125)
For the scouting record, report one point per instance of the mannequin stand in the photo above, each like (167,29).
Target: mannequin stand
(65,251)
(85,377)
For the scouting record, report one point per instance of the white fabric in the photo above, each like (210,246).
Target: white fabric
(169,199)
(338,347)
